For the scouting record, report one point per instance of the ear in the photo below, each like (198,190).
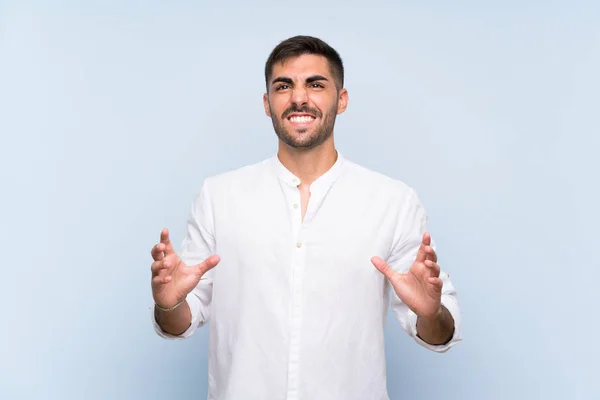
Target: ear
(266,104)
(342,100)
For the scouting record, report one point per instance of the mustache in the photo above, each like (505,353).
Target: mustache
(305,109)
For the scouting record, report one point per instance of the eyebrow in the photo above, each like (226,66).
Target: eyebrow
(282,79)
(289,81)
(315,78)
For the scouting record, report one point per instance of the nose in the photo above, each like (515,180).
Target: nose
(299,96)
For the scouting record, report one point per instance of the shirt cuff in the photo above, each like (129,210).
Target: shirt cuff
(194,304)
(450,303)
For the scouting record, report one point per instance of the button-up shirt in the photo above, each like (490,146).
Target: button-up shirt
(295,308)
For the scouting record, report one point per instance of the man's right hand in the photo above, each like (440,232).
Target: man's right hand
(172,280)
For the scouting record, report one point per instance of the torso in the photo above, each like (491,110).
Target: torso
(296,293)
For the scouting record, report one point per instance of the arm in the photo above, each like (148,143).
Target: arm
(192,287)
(174,322)
(436,330)
(423,297)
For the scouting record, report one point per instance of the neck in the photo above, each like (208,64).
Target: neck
(308,165)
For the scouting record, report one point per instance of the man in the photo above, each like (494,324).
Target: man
(295,260)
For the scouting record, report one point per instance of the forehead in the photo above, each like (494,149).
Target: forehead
(302,67)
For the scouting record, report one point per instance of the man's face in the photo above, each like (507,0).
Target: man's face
(303,101)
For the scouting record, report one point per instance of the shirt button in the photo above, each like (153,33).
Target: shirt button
(298,245)
(296,181)
(295,205)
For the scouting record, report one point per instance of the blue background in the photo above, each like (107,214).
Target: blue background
(112,113)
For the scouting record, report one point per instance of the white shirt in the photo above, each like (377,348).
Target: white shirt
(296,310)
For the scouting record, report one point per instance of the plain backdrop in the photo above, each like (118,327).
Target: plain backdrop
(113,112)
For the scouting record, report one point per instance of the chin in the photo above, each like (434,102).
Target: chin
(301,138)
(299,144)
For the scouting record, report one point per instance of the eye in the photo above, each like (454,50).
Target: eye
(282,87)
(316,85)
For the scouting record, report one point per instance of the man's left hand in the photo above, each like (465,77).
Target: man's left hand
(420,288)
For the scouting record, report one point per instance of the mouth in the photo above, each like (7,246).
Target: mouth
(301,120)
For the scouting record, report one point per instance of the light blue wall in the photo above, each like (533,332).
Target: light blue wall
(112,113)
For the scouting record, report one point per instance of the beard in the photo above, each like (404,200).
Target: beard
(321,133)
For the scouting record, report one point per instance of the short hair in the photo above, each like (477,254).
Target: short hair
(300,45)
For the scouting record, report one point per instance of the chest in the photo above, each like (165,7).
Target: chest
(285,234)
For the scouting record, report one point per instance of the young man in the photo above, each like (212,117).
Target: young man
(295,260)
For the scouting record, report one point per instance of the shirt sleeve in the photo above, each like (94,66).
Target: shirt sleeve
(412,225)
(198,244)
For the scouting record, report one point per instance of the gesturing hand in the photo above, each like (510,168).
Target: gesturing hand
(172,280)
(420,288)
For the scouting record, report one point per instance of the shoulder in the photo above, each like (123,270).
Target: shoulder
(237,178)
(377,183)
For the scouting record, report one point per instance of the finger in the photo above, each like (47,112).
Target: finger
(166,240)
(425,243)
(426,253)
(431,254)
(157,267)
(383,267)
(426,238)
(433,267)
(169,262)
(208,264)
(157,252)
(436,283)
(161,280)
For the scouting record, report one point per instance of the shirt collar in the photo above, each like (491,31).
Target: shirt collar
(324,181)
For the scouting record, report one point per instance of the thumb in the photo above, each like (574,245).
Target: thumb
(383,267)
(207,264)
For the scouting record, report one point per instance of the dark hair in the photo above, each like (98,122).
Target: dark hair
(299,45)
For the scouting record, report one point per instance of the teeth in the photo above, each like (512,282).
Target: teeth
(301,120)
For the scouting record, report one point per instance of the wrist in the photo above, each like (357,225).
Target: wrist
(170,307)
(433,317)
